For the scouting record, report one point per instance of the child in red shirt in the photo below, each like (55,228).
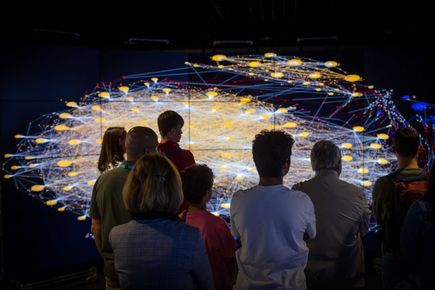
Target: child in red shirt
(220,244)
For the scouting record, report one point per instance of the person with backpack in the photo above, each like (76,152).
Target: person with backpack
(392,197)
(417,239)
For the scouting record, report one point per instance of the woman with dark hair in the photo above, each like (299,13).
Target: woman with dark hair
(112,148)
(417,239)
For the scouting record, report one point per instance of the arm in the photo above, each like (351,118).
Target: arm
(96,231)
(201,270)
(310,232)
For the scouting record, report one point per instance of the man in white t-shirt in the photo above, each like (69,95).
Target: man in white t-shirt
(271,221)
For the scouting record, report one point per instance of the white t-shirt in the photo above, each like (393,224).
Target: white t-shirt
(270,222)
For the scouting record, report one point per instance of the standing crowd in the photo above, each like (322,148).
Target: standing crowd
(153,230)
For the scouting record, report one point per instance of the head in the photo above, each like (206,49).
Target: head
(326,155)
(112,148)
(197,184)
(406,143)
(271,151)
(170,124)
(153,185)
(140,140)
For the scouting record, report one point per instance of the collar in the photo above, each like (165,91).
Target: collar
(327,172)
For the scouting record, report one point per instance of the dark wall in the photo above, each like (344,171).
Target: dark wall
(38,240)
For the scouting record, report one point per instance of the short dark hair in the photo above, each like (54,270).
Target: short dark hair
(325,155)
(270,150)
(197,180)
(168,120)
(406,142)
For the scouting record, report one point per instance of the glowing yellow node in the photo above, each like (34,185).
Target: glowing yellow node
(15,167)
(65,116)
(228,124)
(61,128)
(104,95)
(227,155)
(73,173)
(32,165)
(352,78)
(64,163)
(81,218)
(230,138)
(8,155)
(225,205)
(100,120)
(129,98)
(99,141)
(215,108)
(96,108)
(245,100)
(61,209)
(383,161)
(220,66)
(239,177)
(266,116)
(282,110)
(357,94)
(347,158)
(371,87)
(331,93)
(166,90)
(315,75)
(359,129)
(51,202)
(19,136)
(74,142)
(347,145)
(37,188)
(383,136)
(91,182)
(155,79)
(290,125)
(304,134)
(29,157)
(254,64)
(218,57)
(270,54)
(211,94)
(124,89)
(143,124)
(252,169)
(135,109)
(67,188)
(71,104)
(318,89)
(41,140)
(294,62)
(7,176)
(223,167)
(366,183)
(331,63)
(277,75)
(147,84)
(376,146)
(363,170)
(154,98)
(306,83)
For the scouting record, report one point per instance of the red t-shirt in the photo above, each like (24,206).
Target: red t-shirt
(180,157)
(220,244)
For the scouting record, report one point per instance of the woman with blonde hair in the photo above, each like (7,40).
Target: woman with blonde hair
(112,148)
(156,250)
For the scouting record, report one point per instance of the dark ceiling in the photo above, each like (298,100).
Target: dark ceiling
(221,23)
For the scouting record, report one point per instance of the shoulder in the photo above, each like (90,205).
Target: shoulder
(300,185)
